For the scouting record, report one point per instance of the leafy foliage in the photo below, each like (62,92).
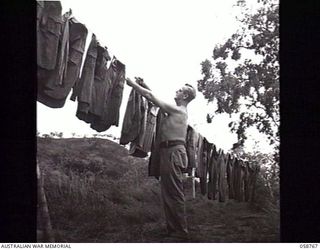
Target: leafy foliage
(251,87)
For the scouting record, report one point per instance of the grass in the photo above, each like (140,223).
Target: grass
(96,192)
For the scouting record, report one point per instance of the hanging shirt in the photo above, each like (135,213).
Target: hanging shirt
(229,169)
(101,87)
(150,127)
(49,33)
(191,146)
(246,181)
(154,160)
(77,38)
(200,162)
(82,91)
(132,119)
(221,165)
(110,116)
(52,53)
(213,173)
(137,144)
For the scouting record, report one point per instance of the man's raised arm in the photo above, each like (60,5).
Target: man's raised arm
(168,108)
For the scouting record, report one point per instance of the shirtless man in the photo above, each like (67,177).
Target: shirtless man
(173,156)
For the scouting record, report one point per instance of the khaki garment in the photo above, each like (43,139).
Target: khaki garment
(173,161)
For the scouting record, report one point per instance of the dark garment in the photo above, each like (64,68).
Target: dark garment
(77,38)
(40,8)
(242,172)
(110,115)
(237,180)
(173,161)
(230,177)
(154,160)
(199,156)
(101,87)
(213,174)
(132,118)
(221,166)
(246,181)
(82,90)
(136,146)
(49,33)
(253,172)
(52,53)
(206,151)
(145,147)
(192,142)
(150,127)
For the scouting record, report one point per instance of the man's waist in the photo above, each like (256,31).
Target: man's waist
(171,143)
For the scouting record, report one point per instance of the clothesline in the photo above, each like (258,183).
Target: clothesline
(64,50)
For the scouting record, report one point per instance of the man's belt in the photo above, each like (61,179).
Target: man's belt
(171,143)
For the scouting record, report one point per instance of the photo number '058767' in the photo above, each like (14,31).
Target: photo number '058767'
(308,245)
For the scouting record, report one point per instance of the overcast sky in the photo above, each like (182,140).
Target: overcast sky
(163,42)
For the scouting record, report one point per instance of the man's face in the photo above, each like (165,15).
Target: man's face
(181,93)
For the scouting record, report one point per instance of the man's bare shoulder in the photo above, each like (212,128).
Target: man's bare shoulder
(179,110)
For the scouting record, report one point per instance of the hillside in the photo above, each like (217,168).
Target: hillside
(96,192)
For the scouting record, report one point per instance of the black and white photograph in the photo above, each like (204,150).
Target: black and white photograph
(158,121)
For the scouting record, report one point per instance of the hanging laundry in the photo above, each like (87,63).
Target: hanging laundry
(77,38)
(242,176)
(101,87)
(131,124)
(230,176)
(132,118)
(82,91)
(236,179)
(40,8)
(213,174)
(203,170)
(150,128)
(221,170)
(137,144)
(141,146)
(246,181)
(52,52)
(154,160)
(253,173)
(191,146)
(50,30)
(110,115)
(200,165)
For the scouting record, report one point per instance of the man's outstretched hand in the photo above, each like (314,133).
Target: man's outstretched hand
(129,82)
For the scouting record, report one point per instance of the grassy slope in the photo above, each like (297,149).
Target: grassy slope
(98,193)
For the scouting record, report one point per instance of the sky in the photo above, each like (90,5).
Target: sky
(163,42)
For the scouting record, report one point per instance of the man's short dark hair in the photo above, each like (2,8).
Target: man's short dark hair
(191,91)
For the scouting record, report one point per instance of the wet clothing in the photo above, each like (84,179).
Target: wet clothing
(154,160)
(52,53)
(132,118)
(101,87)
(221,177)
(110,116)
(76,44)
(192,142)
(136,146)
(83,88)
(229,170)
(213,174)
(49,22)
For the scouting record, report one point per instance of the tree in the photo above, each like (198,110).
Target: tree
(249,89)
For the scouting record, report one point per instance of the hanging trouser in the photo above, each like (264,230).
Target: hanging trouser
(173,162)
(221,178)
